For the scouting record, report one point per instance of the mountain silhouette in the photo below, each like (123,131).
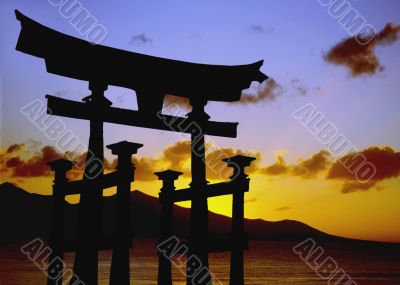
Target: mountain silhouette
(25,215)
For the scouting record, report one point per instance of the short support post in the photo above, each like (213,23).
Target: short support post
(166,230)
(60,167)
(240,181)
(120,270)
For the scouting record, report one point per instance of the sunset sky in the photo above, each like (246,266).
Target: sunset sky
(295,176)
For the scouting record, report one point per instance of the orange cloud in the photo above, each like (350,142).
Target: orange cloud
(216,168)
(145,168)
(15,165)
(384,159)
(277,168)
(177,154)
(305,168)
(181,101)
(383,162)
(312,166)
(35,166)
(176,157)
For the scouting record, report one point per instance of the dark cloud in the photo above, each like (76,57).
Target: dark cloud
(35,166)
(14,163)
(361,59)
(140,39)
(15,148)
(355,186)
(385,160)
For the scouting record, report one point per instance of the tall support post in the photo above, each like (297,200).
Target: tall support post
(167,205)
(120,270)
(89,221)
(198,239)
(240,182)
(60,167)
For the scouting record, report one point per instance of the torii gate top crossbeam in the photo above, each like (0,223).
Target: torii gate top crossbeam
(68,56)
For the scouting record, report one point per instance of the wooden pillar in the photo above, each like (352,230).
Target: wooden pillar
(240,182)
(60,167)
(89,216)
(198,239)
(122,237)
(166,228)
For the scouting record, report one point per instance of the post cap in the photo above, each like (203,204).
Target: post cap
(60,164)
(124,147)
(239,160)
(162,175)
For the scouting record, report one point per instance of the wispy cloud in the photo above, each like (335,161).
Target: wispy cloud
(269,90)
(258,29)
(251,200)
(283,208)
(140,39)
(298,87)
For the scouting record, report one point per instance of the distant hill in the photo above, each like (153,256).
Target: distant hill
(24,216)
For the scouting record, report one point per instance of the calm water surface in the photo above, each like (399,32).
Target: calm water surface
(265,263)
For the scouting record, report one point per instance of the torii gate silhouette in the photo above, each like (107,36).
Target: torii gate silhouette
(151,78)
